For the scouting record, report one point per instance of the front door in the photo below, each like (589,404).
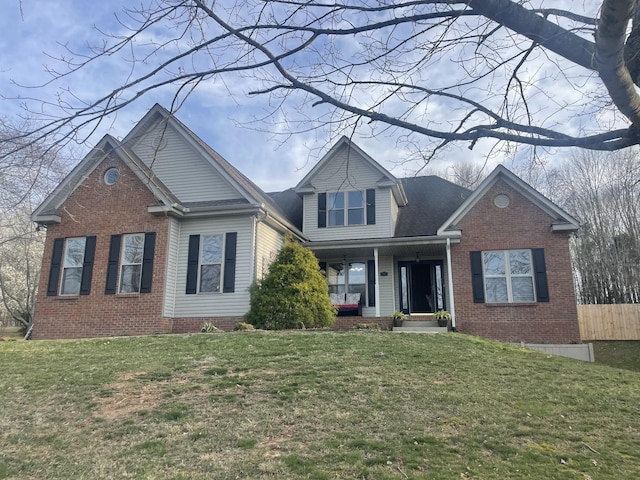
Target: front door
(421,286)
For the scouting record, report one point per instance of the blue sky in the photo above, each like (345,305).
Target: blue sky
(34,30)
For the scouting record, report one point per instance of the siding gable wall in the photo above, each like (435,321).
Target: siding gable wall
(348,171)
(178,164)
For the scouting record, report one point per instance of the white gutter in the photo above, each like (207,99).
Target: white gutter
(452,308)
(377,284)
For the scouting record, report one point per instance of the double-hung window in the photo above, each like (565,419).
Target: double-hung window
(336,209)
(131,263)
(508,276)
(351,210)
(71,266)
(210,263)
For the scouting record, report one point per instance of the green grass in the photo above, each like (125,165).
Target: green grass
(313,405)
(619,354)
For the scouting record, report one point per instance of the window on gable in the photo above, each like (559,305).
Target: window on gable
(351,210)
(336,209)
(356,208)
(131,262)
(210,263)
(508,276)
(72,266)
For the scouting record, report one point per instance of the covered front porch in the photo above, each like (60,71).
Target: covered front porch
(383,276)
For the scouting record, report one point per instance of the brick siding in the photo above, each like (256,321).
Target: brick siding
(521,225)
(97,209)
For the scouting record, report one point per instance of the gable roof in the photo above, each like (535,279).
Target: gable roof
(48,210)
(252,196)
(562,221)
(386,178)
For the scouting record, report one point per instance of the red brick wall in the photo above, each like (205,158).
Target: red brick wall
(97,209)
(521,225)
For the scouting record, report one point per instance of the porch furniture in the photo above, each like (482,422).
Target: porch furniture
(348,304)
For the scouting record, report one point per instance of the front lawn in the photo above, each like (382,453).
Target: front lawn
(317,405)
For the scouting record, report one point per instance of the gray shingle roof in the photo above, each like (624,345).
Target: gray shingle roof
(431,200)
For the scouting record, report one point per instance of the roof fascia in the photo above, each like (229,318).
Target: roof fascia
(569,223)
(303,185)
(68,185)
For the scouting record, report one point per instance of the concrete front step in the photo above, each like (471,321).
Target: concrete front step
(421,323)
(415,329)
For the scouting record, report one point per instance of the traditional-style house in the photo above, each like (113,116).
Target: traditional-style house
(157,233)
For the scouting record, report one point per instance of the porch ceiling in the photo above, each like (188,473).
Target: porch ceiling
(399,248)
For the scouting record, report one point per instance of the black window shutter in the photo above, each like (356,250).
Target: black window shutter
(229,283)
(540,269)
(371,282)
(54,271)
(322,210)
(87,265)
(371,206)
(147,262)
(323,268)
(192,264)
(477,281)
(112,265)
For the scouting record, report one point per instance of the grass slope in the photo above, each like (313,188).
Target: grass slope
(317,405)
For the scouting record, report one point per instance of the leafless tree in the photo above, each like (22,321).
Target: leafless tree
(26,176)
(603,191)
(431,72)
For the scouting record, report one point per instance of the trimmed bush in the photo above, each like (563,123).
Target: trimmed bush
(209,327)
(243,327)
(293,294)
(366,326)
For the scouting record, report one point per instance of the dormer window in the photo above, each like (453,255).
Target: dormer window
(352,210)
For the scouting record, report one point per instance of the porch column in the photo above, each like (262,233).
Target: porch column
(452,308)
(377,285)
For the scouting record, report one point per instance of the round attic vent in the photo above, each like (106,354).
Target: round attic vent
(501,201)
(159,141)
(111,176)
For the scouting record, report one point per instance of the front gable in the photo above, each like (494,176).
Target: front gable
(556,219)
(108,151)
(187,172)
(347,174)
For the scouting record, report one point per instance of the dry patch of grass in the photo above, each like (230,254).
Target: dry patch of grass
(319,405)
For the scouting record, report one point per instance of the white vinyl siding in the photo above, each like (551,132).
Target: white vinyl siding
(386,287)
(222,304)
(348,171)
(172,266)
(183,169)
(268,244)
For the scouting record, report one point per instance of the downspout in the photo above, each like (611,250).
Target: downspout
(452,308)
(377,284)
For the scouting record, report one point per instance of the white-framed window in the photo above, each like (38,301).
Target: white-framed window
(347,206)
(72,265)
(347,283)
(508,276)
(131,262)
(211,248)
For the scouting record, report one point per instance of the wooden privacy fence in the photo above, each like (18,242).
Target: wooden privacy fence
(609,322)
